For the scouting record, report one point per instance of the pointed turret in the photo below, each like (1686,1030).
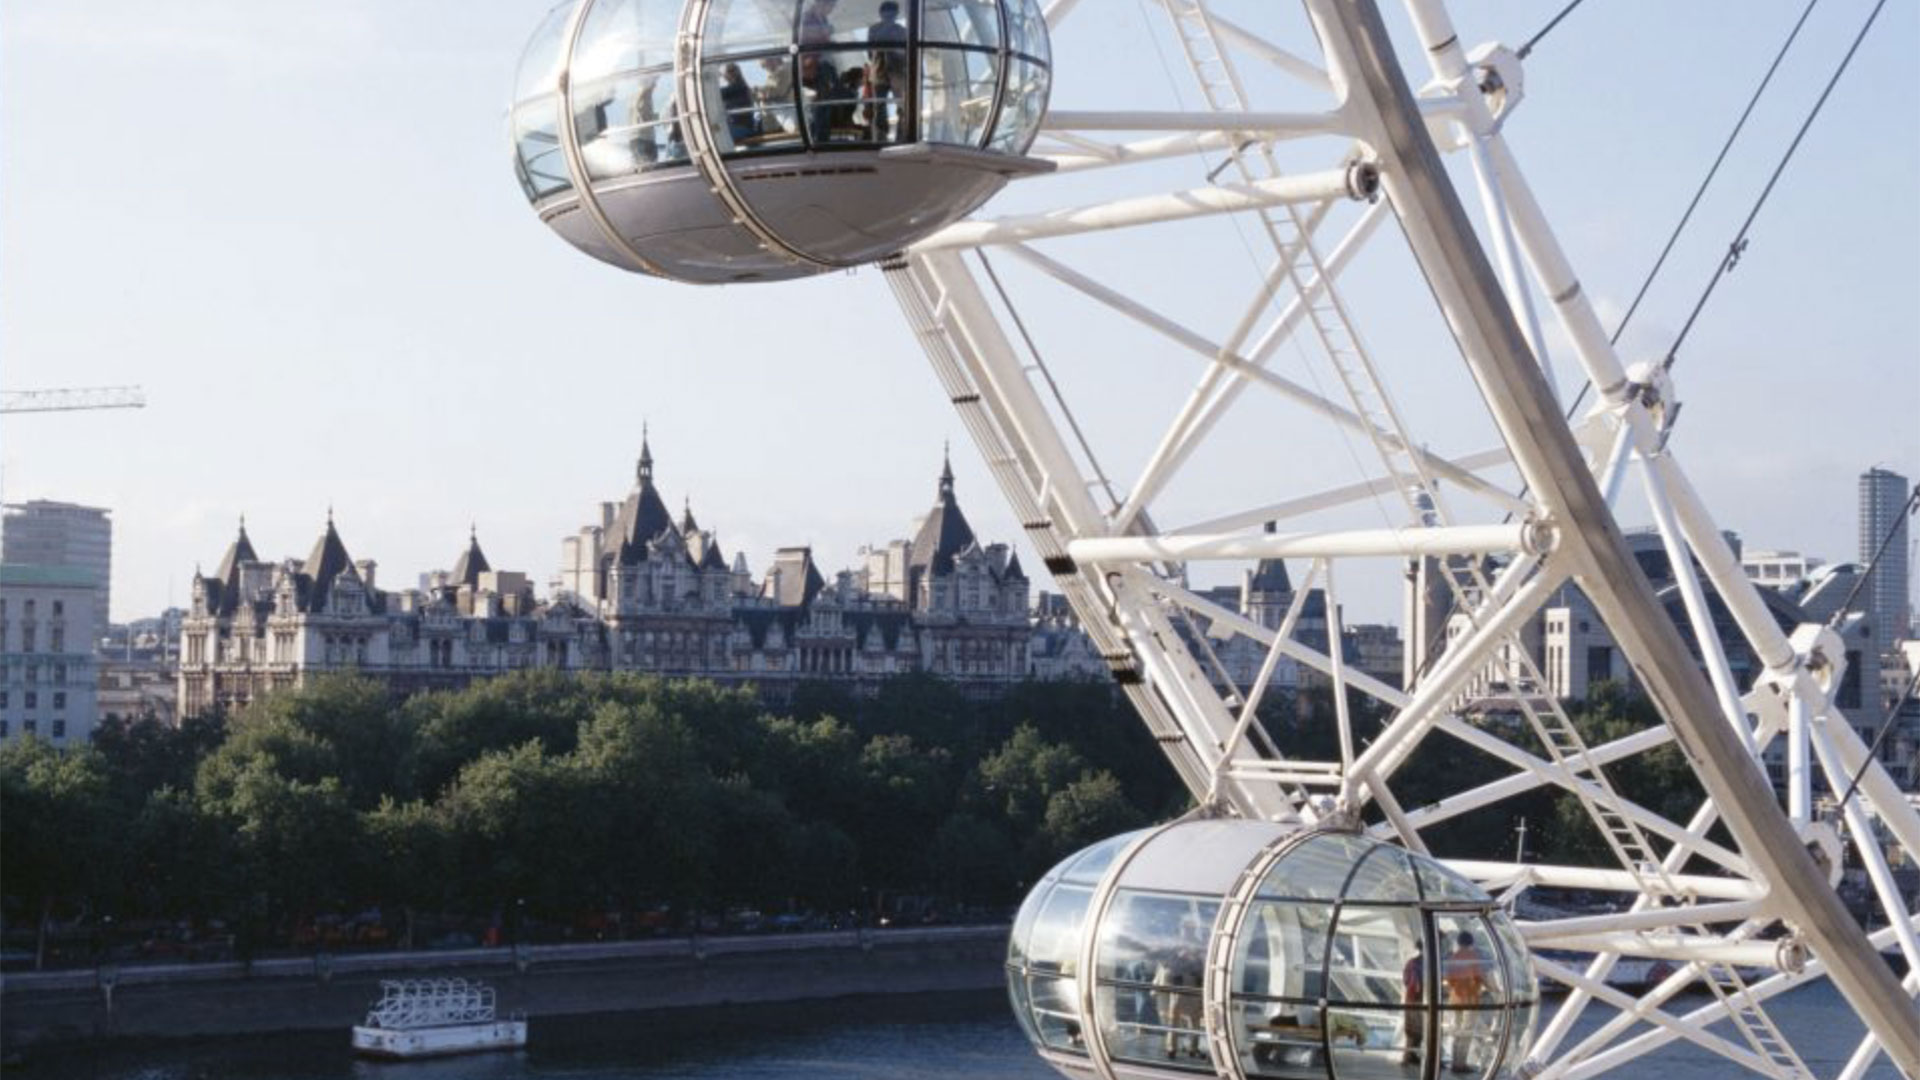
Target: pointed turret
(325,563)
(472,562)
(240,551)
(944,532)
(687,524)
(643,516)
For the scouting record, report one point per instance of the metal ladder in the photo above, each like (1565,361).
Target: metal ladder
(1753,1022)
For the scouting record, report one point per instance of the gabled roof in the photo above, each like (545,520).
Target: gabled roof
(1013,571)
(471,563)
(240,551)
(326,562)
(711,559)
(944,534)
(223,589)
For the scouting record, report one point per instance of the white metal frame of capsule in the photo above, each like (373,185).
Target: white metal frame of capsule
(1120,569)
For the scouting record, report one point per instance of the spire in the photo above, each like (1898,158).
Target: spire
(687,524)
(946,470)
(472,562)
(645,471)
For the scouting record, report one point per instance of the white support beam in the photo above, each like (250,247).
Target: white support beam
(1497,874)
(1171,206)
(1331,498)
(1549,931)
(1413,542)
(1273,125)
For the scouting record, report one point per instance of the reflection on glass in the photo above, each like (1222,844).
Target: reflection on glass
(1317,869)
(1470,1040)
(541,166)
(961,22)
(1027,29)
(622,124)
(1056,1012)
(956,95)
(1092,863)
(1440,883)
(1151,963)
(1374,1044)
(1520,1023)
(1152,1024)
(625,35)
(1021,110)
(1147,937)
(1055,943)
(539,71)
(744,26)
(1522,983)
(1372,948)
(1385,874)
(1017,992)
(1283,950)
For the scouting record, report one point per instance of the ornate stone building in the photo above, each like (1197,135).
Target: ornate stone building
(257,626)
(636,591)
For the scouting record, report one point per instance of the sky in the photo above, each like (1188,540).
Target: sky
(296,226)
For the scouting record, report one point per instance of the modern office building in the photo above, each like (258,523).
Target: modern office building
(48,678)
(1884,531)
(47,533)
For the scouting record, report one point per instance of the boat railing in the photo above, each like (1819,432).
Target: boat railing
(419,1003)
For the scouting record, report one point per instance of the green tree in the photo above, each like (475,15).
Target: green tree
(59,839)
(1016,781)
(1089,809)
(413,859)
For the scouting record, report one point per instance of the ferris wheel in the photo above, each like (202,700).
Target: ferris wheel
(1298,923)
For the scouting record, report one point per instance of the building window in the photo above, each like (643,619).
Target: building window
(30,727)
(4,696)
(60,674)
(1599,664)
(59,729)
(26,639)
(6,729)
(33,699)
(59,699)
(59,607)
(33,673)
(30,607)
(57,639)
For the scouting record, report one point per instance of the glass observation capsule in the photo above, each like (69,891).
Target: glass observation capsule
(1249,949)
(755,140)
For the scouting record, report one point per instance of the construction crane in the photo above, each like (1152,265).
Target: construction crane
(73,399)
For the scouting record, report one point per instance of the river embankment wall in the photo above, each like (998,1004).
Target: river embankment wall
(328,991)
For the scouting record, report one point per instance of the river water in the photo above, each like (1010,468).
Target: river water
(910,1037)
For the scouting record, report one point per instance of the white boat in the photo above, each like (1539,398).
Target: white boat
(417,1018)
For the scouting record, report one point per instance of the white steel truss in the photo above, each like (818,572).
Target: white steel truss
(1729,897)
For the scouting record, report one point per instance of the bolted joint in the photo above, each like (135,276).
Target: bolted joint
(1363,181)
